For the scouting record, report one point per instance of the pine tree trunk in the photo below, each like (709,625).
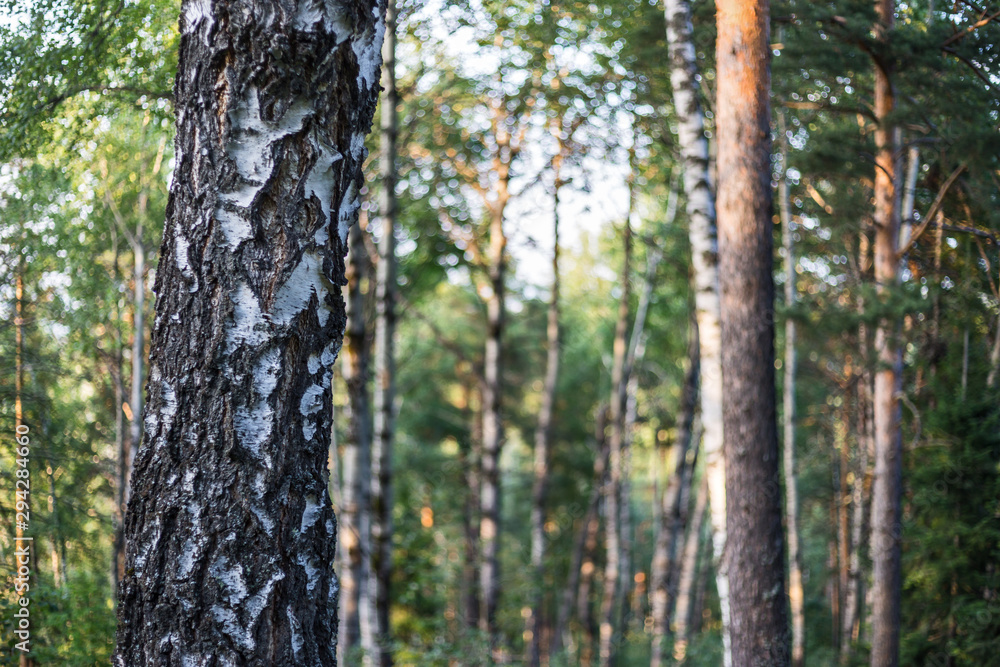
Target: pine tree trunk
(693,146)
(685,583)
(543,436)
(385,355)
(613,496)
(230,535)
(886,494)
(355,517)
(795,592)
(755,553)
(673,513)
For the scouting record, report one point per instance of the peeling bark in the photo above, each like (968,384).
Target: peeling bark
(230,533)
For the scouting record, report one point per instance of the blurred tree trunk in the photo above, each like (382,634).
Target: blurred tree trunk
(795,592)
(586,540)
(685,583)
(700,197)
(613,496)
(20,428)
(230,537)
(355,514)
(886,493)
(385,355)
(673,512)
(543,436)
(754,551)
(471,454)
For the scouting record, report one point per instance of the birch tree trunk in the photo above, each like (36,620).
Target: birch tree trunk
(20,428)
(543,436)
(138,352)
(887,488)
(756,559)
(795,593)
(693,146)
(230,533)
(613,496)
(385,354)
(355,517)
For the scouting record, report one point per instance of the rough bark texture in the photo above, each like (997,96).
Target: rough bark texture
(673,514)
(385,353)
(886,493)
(755,553)
(693,146)
(795,593)
(543,436)
(355,517)
(613,497)
(230,533)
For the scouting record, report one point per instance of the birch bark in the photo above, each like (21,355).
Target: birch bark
(230,534)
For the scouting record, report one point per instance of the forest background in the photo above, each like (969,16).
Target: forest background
(547,107)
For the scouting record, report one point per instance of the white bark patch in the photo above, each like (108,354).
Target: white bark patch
(251,149)
(231,626)
(264,519)
(349,206)
(296,628)
(168,410)
(321,180)
(230,579)
(293,297)
(181,247)
(198,12)
(313,364)
(310,513)
(249,323)
(368,49)
(312,572)
(255,605)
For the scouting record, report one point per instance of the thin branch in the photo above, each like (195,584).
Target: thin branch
(935,207)
(972,28)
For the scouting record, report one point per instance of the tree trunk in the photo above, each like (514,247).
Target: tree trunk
(755,553)
(138,351)
(685,584)
(991,378)
(230,535)
(841,494)
(489,520)
(543,436)
(385,355)
(673,513)
(613,496)
(854,594)
(795,592)
(704,258)
(355,518)
(21,430)
(586,540)
(472,466)
(886,494)
(121,448)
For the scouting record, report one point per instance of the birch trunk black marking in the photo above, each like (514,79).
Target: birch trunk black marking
(230,533)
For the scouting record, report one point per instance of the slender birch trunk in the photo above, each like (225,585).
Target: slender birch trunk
(886,494)
(472,465)
(385,355)
(991,378)
(843,498)
(493,427)
(138,351)
(673,513)
(613,497)
(795,592)
(698,189)
(20,428)
(543,436)
(230,537)
(755,549)
(685,584)
(355,516)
